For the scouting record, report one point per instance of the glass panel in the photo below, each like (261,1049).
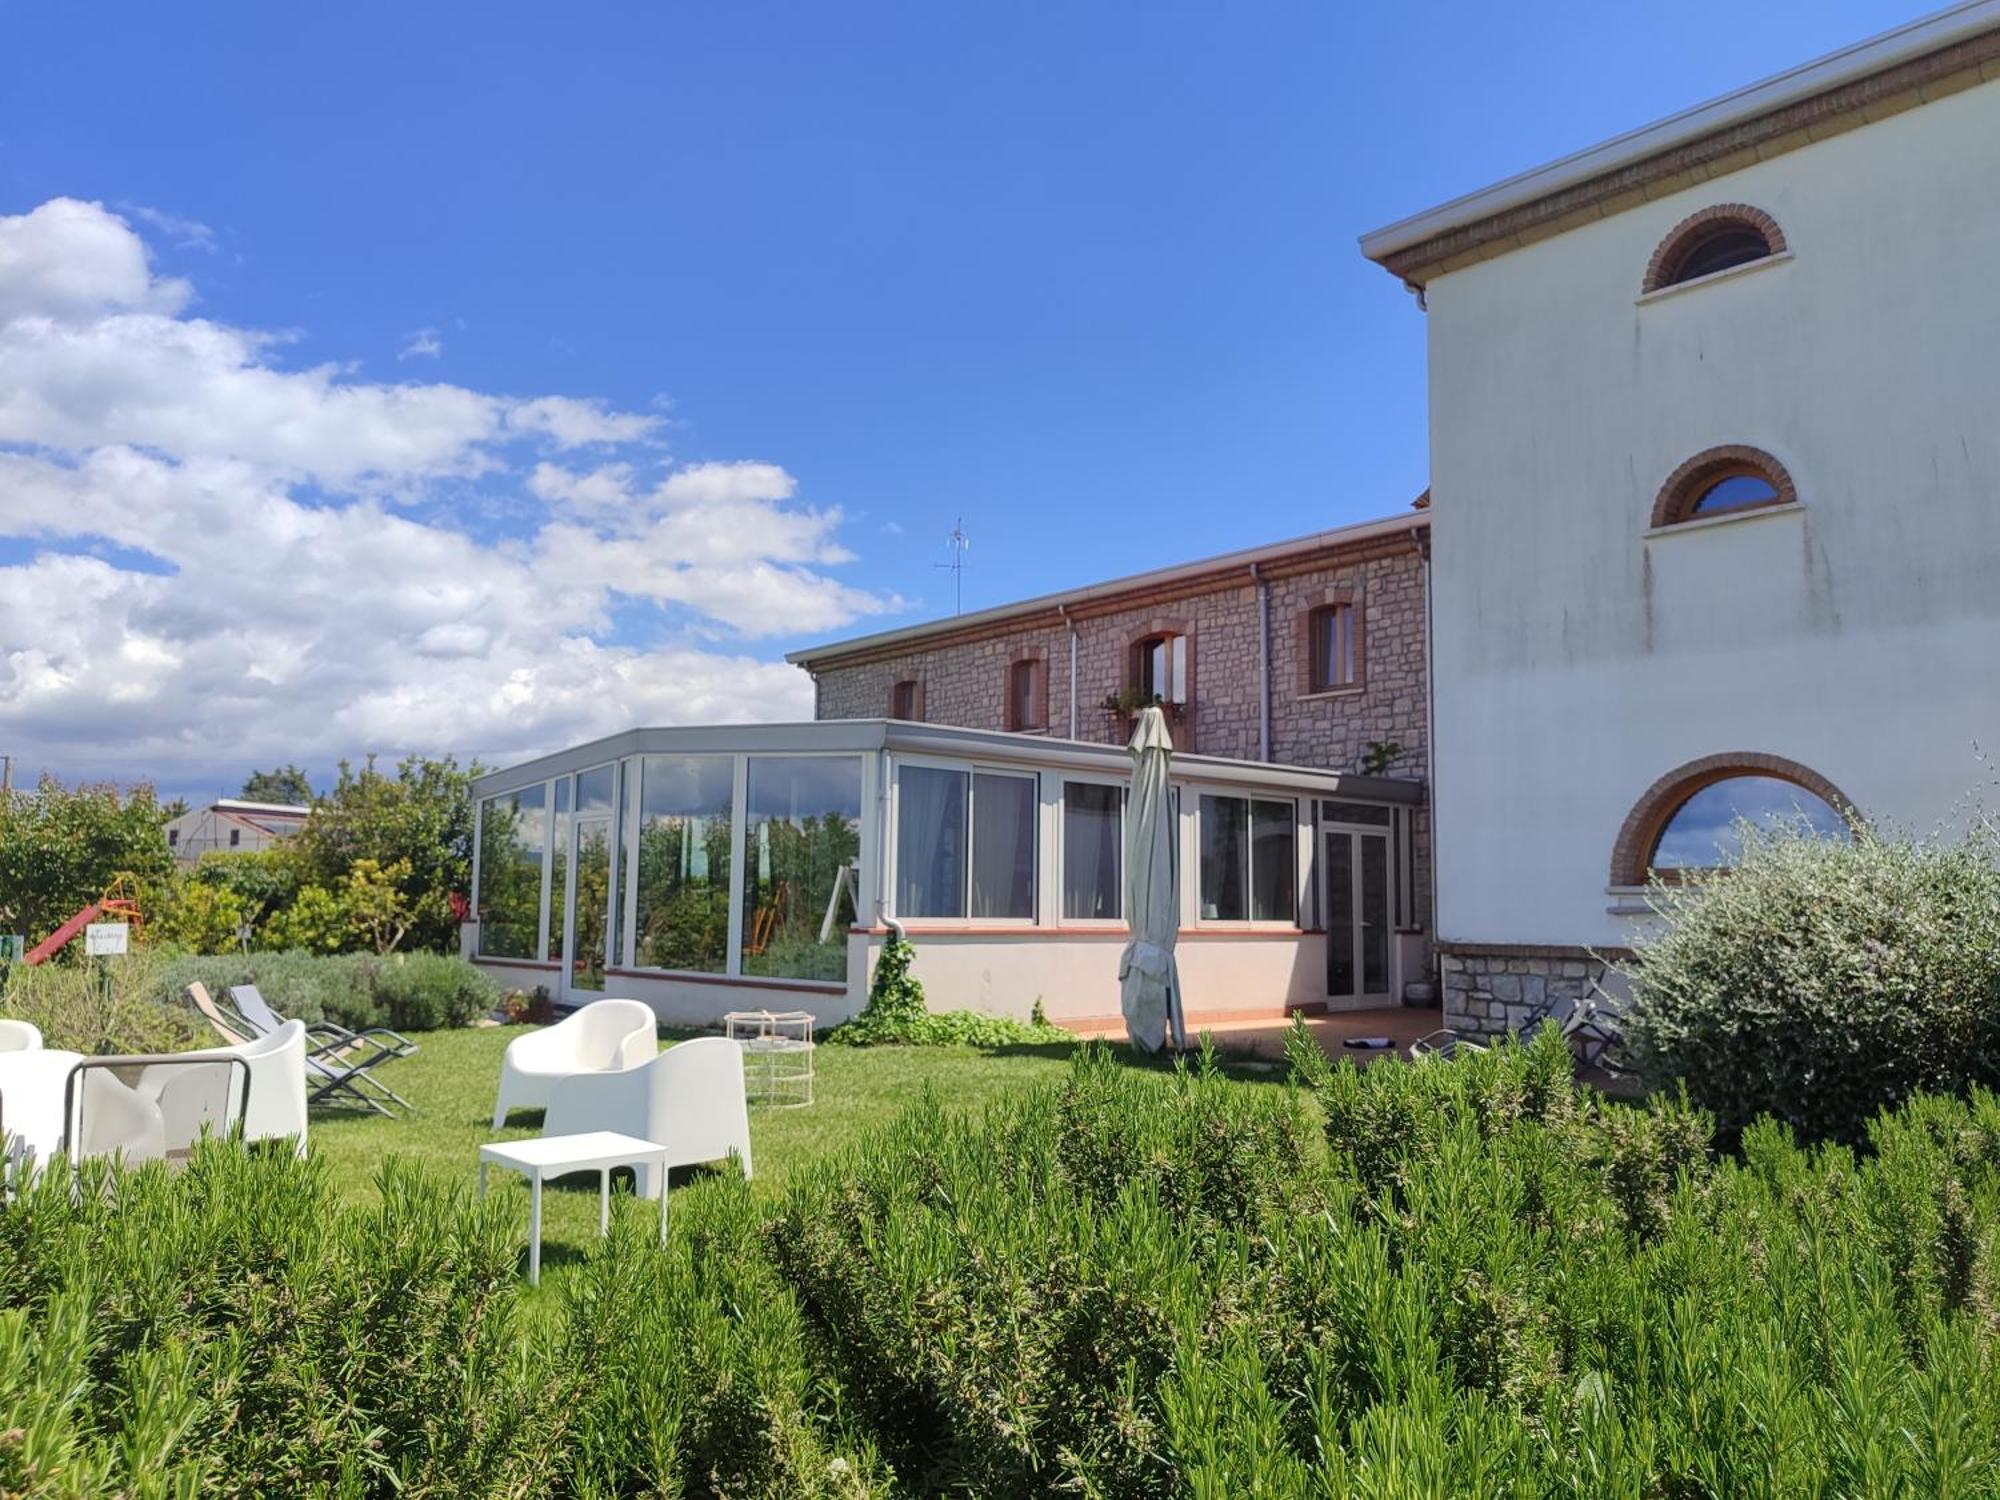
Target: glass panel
(558,871)
(1340,914)
(1703,833)
(903,701)
(930,842)
(511,832)
(1374,914)
(593,898)
(1355,812)
(593,792)
(1003,846)
(1176,690)
(682,918)
(1274,862)
(1225,868)
(627,813)
(802,827)
(1735,492)
(1735,246)
(1093,850)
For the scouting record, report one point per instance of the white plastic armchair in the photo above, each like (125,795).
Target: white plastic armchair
(276,1109)
(19,1036)
(689,1099)
(604,1036)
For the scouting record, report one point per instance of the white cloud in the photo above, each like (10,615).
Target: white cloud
(254,597)
(187,233)
(423,344)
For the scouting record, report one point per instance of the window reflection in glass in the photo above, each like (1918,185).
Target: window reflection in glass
(1705,831)
(558,869)
(682,872)
(802,827)
(1735,492)
(512,832)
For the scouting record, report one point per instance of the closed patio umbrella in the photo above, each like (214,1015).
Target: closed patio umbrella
(1149,981)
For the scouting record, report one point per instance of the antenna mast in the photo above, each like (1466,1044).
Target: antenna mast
(958,541)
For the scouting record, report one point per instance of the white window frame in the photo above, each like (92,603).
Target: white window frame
(633,766)
(894,839)
(1191,794)
(1066,780)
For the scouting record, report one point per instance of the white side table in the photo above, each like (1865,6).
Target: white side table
(777,1054)
(554,1155)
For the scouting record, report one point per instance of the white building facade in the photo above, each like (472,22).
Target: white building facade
(1715,448)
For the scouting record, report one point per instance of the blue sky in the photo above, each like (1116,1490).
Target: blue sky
(1085,275)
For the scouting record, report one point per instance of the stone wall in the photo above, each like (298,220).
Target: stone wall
(1489,991)
(964,677)
(964,681)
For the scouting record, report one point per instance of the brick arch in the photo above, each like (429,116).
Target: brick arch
(1648,819)
(1687,484)
(1697,226)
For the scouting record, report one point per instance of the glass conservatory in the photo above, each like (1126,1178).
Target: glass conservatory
(724,868)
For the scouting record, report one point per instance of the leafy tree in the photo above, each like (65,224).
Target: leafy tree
(60,847)
(287,784)
(317,921)
(418,821)
(377,909)
(200,917)
(178,808)
(262,881)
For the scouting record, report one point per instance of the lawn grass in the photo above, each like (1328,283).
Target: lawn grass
(453,1077)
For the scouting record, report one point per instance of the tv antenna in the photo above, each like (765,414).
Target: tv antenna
(958,541)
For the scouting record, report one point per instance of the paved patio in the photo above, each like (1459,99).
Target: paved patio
(1265,1036)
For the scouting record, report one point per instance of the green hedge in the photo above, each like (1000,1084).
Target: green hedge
(408,991)
(1439,1279)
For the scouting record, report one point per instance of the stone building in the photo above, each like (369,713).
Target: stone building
(1311,652)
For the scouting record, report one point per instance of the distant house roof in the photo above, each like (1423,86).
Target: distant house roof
(1899,69)
(1181,580)
(276,818)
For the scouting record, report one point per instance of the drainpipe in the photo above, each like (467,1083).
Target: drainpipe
(882,917)
(1063,610)
(1263,662)
(1421,539)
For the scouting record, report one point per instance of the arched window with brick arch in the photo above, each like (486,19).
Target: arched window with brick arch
(1692,818)
(1723,481)
(1714,240)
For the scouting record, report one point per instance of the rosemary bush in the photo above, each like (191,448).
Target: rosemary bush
(1461,1277)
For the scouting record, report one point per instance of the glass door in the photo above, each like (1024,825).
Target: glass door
(1354,885)
(590,914)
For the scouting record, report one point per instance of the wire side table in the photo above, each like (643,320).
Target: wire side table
(778,1052)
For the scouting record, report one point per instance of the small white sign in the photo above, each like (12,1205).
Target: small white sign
(102,939)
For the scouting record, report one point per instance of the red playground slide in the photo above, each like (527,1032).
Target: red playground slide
(51,945)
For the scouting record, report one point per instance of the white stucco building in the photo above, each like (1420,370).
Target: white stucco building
(232,826)
(1715,455)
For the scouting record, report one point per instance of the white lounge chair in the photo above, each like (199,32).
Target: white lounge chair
(162,1105)
(19,1036)
(689,1099)
(604,1036)
(276,1109)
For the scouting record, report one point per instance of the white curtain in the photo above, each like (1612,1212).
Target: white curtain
(930,842)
